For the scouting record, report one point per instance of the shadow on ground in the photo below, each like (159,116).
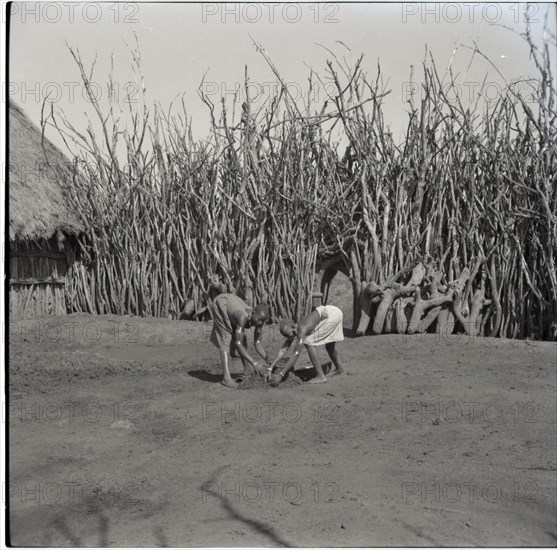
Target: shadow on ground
(61,525)
(205,376)
(259,526)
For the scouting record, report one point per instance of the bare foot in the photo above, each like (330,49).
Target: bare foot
(317,380)
(229,384)
(336,372)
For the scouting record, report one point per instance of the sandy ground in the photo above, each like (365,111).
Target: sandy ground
(120,435)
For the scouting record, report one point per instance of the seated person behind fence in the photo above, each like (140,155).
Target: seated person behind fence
(231,317)
(323,326)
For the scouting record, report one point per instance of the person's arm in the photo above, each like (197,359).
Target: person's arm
(282,351)
(257,334)
(306,327)
(278,376)
(239,333)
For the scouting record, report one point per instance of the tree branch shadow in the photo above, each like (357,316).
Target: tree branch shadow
(257,525)
(61,524)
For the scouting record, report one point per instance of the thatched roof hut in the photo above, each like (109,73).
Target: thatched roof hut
(42,226)
(38,209)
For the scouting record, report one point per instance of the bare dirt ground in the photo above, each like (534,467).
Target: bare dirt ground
(120,435)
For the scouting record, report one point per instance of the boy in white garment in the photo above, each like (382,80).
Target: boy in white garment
(323,326)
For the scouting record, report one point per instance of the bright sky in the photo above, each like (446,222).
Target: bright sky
(181,42)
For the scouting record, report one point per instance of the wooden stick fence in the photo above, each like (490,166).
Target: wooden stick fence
(250,209)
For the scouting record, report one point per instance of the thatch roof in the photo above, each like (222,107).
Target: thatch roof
(37,206)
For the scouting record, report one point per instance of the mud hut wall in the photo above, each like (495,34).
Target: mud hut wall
(37,279)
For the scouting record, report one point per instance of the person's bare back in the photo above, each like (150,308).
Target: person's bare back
(323,326)
(231,317)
